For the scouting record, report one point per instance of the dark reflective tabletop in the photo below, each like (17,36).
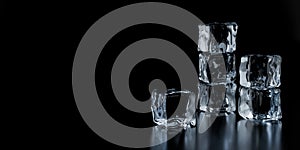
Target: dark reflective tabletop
(226,132)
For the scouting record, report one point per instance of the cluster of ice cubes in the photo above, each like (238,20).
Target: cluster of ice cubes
(259,95)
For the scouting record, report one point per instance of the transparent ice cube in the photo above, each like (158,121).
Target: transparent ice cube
(260,71)
(217,37)
(217,68)
(173,109)
(263,105)
(217,98)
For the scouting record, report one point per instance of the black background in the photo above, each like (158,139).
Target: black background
(51,31)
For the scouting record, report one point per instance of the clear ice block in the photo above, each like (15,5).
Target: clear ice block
(217,68)
(217,98)
(260,71)
(173,109)
(217,37)
(263,105)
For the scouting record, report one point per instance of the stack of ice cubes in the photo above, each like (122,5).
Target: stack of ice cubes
(217,70)
(259,92)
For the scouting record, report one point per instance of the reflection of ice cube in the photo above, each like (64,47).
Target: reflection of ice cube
(217,98)
(173,109)
(259,104)
(217,37)
(159,135)
(260,71)
(220,129)
(253,135)
(217,68)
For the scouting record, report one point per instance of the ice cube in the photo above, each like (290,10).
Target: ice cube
(260,71)
(173,108)
(263,105)
(217,98)
(217,37)
(217,68)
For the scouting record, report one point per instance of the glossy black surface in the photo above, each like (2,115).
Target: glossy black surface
(227,132)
